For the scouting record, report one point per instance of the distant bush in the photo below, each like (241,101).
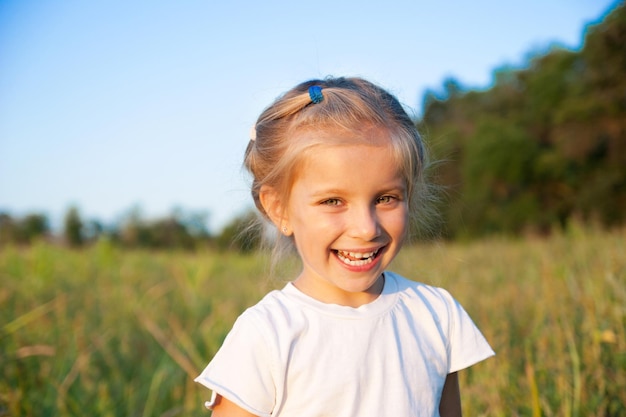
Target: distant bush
(23,230)
(240,234)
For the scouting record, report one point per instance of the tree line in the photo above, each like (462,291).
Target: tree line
(544,145)
(179,230)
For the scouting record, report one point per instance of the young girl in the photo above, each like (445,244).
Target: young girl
(337,167)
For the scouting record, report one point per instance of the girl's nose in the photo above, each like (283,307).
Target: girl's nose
(364,224)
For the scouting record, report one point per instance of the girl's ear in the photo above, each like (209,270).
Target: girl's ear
(268,196)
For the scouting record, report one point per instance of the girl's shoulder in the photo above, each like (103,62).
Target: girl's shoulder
(272,304)
(417,299)
(277,311)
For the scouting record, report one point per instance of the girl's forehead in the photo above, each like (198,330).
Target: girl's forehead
(333,163)
(366,134)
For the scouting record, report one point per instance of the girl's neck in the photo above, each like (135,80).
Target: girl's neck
(330,294)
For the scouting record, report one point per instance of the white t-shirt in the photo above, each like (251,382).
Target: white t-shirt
(291,355)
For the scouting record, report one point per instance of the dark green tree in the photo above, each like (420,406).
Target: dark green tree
(545,143)
(33,226)
(498,172)
(24,230)
(73,228)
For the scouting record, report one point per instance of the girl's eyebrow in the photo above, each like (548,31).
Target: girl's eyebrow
(326,192)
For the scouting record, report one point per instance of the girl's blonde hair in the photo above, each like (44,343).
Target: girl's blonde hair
(348,104)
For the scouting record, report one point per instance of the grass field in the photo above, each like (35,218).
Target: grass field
(106,332)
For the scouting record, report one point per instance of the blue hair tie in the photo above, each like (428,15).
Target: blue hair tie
(315,92)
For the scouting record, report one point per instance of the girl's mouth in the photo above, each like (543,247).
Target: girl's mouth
(357,258)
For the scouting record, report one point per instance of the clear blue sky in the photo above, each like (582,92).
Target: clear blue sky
(113,104)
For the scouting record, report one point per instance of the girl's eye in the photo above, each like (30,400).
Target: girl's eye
(331,202)
(386,199)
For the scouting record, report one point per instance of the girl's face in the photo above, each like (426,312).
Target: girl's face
(348,213)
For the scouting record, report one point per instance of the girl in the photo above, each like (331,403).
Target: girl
(337,167)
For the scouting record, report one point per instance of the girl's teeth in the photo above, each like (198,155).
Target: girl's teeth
(356,258)
(357,255)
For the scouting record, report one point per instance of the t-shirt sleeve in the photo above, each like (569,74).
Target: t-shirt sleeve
(467,345)
(241,371)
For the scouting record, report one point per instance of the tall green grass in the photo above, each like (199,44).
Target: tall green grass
(106,332)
